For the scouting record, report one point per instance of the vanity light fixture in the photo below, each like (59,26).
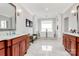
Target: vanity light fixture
(19,12)
(74,12)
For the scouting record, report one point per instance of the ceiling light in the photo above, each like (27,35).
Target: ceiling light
(46,9)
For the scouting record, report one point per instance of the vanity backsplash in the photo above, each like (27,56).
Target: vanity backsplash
(7,33)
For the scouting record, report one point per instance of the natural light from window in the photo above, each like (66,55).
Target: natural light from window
(46,25)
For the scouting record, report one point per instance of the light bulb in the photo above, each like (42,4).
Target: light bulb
(19,12)
(73,11)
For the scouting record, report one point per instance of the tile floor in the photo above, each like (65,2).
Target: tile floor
(46,47)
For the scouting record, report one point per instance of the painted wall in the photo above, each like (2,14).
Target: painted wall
(21,22)
(35,25)
(59,25)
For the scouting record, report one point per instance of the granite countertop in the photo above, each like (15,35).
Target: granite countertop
(73,34)
(10,36)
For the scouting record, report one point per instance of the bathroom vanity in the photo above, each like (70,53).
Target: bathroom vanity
(14,45)
(71,43)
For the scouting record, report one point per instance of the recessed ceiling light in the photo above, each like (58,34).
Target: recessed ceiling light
(46,9)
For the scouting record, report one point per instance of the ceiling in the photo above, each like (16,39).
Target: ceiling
(46,9)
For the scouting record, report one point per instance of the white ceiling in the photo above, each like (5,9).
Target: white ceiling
(39,9)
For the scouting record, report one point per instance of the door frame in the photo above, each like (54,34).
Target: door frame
(39,24)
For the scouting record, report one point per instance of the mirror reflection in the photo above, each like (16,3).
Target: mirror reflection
(7,16)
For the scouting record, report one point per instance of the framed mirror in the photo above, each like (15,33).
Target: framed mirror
(66,24)
(7,16)
(78,18)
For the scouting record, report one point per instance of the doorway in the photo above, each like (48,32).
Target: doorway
(47,28)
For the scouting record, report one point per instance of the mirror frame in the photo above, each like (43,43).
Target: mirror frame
(15,19)
(77,18)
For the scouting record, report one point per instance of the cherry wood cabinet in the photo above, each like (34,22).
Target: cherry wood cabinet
(66,42)
(2,48)
(71,44)
(14,47)
(8,46)
(22,48)
(19,45)
(2,52)
(27,41)
(15,50)
(77,46)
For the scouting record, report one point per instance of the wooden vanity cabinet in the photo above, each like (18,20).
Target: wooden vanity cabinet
(8,47)
(15,50)
(19,45)
(15,47)
(71,44)
(2,52)
(66,42)
(27,41)
(22,48)
(77,46)
(77,49)
(2,48)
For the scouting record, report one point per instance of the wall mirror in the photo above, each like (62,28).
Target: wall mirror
(66,24)
(78,18)
(7,16)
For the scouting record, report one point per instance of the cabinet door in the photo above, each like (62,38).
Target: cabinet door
(77,46)
(68,44)
(73,45)
(8,48)
(15,50)
(2,52)
(77,49)
(28,42)
(64,40)
(22,48)
(2,48)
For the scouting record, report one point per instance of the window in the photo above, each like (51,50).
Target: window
(46,25)
(3,24)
